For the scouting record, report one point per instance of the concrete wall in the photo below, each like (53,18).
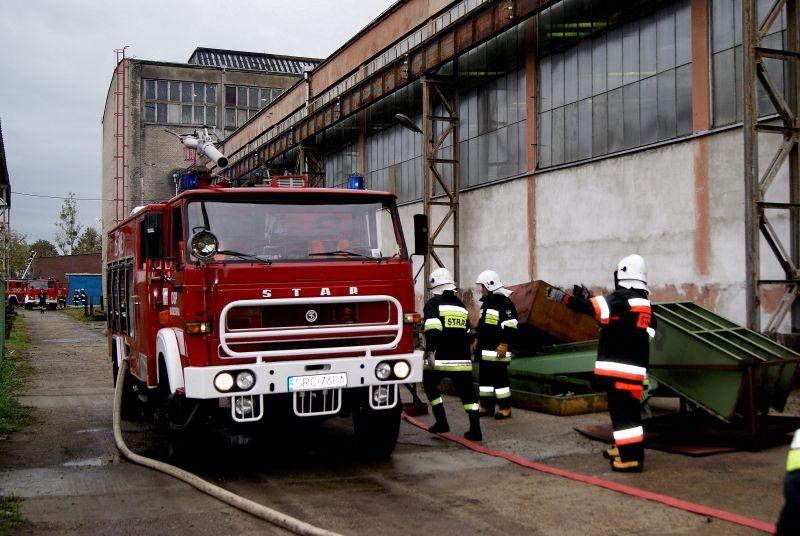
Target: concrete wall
(681,206)
(494,235)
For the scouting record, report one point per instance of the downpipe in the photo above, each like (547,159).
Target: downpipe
(245,505)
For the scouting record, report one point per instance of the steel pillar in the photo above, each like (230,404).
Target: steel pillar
(440,121)
(757,184)
(311,162)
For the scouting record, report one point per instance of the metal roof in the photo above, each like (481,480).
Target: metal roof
(252,61)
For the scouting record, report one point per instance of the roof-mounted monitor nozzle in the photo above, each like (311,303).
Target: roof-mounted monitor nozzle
(202,142)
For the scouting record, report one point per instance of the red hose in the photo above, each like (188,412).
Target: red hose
(614,486)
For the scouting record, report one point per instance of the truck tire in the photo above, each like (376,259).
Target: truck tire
(28,306)
(131,409)
(376,431)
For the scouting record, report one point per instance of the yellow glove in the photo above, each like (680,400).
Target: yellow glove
(501,349)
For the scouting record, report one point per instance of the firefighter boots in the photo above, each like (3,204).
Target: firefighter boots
(485,412)
(474,432)
(633,466)
(610,454)
(440,426)
(502,414)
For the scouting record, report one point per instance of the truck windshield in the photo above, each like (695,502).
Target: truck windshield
(280,230)
(39,285)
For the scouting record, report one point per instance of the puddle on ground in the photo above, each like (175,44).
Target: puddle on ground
(91,430)
(60,341)
(86,462)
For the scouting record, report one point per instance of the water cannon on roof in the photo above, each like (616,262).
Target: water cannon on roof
(203,143)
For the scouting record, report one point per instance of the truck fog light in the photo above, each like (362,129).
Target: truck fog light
(380,395)
(401,370)
(245,380)
(223,382)
(383,370)
(243,406)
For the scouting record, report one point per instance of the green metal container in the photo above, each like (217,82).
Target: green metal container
(690,335)
(697,354)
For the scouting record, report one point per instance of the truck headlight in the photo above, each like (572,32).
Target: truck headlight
(245,380)
(204,244)
(383,370)
(223,382)
(402,370)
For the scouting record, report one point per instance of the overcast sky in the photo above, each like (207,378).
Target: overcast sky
(57,59)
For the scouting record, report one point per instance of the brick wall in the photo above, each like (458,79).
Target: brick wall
(58,267)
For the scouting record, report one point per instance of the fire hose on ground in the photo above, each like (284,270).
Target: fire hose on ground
(246,505)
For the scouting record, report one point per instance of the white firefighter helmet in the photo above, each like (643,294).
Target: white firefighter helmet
(632,272)
(491,280)
(440,280)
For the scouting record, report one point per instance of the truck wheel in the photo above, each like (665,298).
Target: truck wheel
(28,306)
(376,431)
(131,409)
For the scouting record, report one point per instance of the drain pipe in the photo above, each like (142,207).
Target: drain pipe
(246,505)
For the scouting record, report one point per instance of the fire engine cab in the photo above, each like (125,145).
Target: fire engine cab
(16,289)
(241,306)
(50,288)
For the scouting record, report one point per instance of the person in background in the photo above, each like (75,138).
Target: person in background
(42,301)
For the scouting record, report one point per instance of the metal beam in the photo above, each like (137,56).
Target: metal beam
(440,122)
(757,184)
(443,43)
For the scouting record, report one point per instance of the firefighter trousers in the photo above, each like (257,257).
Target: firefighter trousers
(493,385)
(624,407)
(462,383)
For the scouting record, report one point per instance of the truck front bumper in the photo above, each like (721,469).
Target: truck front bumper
(273,377)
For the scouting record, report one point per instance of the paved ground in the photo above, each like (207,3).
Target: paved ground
(66,469)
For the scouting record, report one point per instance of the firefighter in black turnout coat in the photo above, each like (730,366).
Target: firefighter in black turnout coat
(789,521)
(496,326)
(447,350)
(626,327)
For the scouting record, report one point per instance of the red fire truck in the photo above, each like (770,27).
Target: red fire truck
(16,289)
(54,293)
(238,306)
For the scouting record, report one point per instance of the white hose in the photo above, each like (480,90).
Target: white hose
(246,505)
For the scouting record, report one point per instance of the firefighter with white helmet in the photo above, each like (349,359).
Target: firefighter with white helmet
(626,326)
(447,346)
(497,325)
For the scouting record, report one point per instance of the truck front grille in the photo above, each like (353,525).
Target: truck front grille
(286,327)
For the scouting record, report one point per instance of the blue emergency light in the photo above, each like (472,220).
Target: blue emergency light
(355,182)
(188,181)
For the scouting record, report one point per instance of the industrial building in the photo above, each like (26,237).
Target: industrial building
(547,140)
(5,210)
(221,89)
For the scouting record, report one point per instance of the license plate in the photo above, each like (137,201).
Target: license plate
(317,381)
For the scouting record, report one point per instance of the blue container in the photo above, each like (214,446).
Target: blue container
(91,283)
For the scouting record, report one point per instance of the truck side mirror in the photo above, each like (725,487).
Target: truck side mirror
(420,234)
(152,236)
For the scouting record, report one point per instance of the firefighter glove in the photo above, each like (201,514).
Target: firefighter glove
(557,295)
(501,349)
(580,291)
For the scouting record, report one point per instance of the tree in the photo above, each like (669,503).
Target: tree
(44,248)
(89,242)
(69,228)
(18,253)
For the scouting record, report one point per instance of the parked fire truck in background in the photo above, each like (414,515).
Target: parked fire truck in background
(55,294)
(237,307)
(16,289)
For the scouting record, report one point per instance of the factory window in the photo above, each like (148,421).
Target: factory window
(726,59)
(180,103)
(340,165)
(243,102)
(606,84)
